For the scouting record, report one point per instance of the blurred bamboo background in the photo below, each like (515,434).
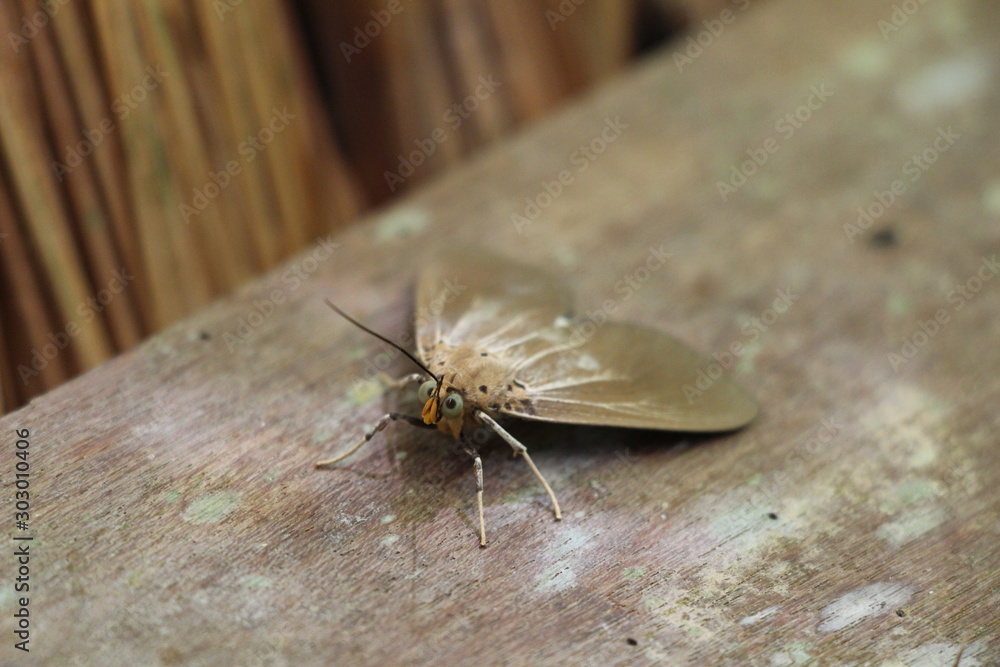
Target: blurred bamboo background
(155,154)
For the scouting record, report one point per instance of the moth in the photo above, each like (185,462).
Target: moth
(497,339)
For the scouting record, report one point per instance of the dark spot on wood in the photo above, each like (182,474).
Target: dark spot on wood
(631,642)
(884,238)
(204,335)
(484,354)
(494,406)
(510,388)
(900,613)
(705,287)
(772,515)
(506,406)
(483,388)
(440,363)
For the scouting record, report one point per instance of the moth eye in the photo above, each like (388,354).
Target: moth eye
(424,393)
(452,406)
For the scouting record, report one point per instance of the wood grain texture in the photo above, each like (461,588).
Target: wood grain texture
(178,519)
(125,126)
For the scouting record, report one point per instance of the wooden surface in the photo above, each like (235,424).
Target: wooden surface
(177,517)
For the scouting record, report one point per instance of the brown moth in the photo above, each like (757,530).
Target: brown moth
(508,345)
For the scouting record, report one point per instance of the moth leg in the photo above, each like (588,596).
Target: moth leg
(382,423)
(523,451)
(389,383)
(478,462)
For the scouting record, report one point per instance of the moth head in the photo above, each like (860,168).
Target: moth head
(441,401)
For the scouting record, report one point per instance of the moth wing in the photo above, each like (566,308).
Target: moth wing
(626,375)
(467,296)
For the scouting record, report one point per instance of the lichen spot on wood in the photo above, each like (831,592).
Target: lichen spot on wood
(212,507)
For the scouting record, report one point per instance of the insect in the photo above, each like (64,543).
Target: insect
(498,339)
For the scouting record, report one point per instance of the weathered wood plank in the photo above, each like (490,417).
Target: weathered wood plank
(177,517)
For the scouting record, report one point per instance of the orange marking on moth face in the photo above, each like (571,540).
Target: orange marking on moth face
(452,427)
(430,411)
(432,408)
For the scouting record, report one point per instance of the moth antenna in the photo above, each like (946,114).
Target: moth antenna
(383,339)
